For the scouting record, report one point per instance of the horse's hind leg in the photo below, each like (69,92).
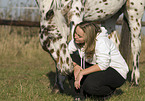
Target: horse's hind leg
(134,13)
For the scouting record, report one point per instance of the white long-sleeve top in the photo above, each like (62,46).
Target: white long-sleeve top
(106,54)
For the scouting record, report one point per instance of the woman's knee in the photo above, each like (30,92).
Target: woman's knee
(87,87)
(90,87)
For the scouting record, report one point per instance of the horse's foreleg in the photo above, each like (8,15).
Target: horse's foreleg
(75,15)
(59,81)
(57,51)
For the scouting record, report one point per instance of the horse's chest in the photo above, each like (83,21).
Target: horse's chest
(101,9)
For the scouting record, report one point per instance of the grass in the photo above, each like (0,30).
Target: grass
(27,73)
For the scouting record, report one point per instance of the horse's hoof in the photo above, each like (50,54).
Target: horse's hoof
(56,89)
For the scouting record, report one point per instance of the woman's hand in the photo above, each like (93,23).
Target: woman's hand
(77,69)
(77,75)
(78,80)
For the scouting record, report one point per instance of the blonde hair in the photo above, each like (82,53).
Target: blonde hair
(91,31)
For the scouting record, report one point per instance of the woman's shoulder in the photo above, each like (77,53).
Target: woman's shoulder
(103,42)
(103,39)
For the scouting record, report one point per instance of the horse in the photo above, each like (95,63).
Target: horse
(59,18)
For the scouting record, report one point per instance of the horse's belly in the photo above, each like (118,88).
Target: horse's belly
(101,9)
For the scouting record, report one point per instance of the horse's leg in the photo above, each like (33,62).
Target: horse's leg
(62,62)
(110,24)
(134,13)
(59,81)
(75,15)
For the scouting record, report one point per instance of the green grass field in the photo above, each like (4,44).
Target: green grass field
(27,73)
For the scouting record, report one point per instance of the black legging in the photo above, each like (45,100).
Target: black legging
(100,83)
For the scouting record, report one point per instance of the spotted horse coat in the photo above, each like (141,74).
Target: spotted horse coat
(59,18)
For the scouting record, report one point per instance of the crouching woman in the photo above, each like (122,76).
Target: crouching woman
(99,67)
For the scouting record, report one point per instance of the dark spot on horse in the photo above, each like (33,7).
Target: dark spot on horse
(64,51)
(132,3)
(106,14)
(62,5)
(72,23)
(67,60)
(54,40)
(64,45)
(60,37)
(52,26)
(99,16)
(41,36)
(82,9)
(49,14)
(61,60)
(101,11)
(47,41)
(51,51)
(61,46)
(78,14)
(67,6)
(140,3)
(45,32)
(104,0)
(88,9)
(116,40)
(89,15)
(42,26)
(97,9)
(77,8)
(58,53)
(131,17)
(135,10)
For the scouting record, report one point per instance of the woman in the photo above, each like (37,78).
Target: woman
(99,67)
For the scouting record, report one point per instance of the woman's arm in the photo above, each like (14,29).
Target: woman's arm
(86,71)
(91,69)
(103,52)
(77,69)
